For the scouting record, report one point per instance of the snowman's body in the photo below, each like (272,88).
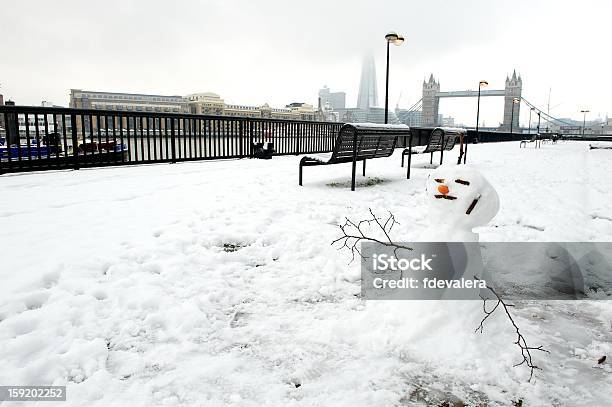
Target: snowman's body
(447,233)
(460,199)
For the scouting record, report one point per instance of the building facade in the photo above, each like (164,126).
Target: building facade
(128,102)
(413,118)
(370,115)
(122,102)
(601,127)
(206,103)
(409,117)
(335,100)
(209,103)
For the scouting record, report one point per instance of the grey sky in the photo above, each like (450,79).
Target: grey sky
(252,52)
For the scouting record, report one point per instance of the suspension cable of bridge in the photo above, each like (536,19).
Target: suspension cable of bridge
(417,106)
(547,117)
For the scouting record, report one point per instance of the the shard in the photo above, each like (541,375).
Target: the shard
(368,92)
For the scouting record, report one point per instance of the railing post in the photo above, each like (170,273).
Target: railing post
(7,140)
(241,138)
(299,139)
(172,140)
(12,136)
(250,138)
(75,141)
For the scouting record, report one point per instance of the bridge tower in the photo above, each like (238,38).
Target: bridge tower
(431,102)
(513,89)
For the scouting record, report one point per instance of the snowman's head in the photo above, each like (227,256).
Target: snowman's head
(460,197)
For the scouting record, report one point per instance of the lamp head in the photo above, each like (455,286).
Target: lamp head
(482,84)
(394,38)
(516,100)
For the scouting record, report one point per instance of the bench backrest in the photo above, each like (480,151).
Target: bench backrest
(441,140)
(372,141)
(436,141)
(450,140)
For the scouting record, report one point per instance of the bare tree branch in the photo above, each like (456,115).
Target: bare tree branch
(521,342)
(353,234)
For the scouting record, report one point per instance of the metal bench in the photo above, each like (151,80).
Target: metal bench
(358,142)
(441,139)
(533,139)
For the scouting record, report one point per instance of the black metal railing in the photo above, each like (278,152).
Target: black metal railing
(495,136)
(40,138)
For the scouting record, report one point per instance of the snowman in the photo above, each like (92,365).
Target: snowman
(459,199)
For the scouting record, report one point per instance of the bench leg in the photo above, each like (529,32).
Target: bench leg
(409,157)
(431,158)
(409,165)
(301,166)
(441,156)
(402,159)
(353,176)
(364,161)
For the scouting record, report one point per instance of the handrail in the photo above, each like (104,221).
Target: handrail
(106,112)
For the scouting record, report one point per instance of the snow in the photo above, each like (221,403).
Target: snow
(214,283)
(603,145)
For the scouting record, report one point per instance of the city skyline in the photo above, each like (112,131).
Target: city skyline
(289,61)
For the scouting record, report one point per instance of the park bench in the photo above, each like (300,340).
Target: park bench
(358,142)
(441,139)
(524,142)
(604,145)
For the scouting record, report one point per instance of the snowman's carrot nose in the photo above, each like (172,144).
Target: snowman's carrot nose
(443,189)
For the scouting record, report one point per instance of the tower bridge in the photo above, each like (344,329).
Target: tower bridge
(470,93)
(432,94)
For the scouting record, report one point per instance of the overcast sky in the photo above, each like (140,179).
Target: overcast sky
(279,51)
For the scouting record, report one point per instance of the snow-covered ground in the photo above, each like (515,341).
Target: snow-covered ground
(214,283)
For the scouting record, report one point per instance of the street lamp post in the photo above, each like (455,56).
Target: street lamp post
(395,39)
(514,102)
(481,84)
(538,133)
(584,112)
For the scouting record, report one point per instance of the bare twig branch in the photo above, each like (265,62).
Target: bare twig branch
(353,234)
(521,342)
